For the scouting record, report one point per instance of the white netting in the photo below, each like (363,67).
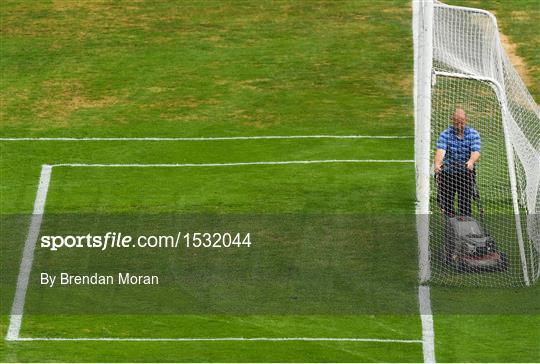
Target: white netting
(471,72)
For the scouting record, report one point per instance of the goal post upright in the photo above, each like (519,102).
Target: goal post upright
(510,152)
(513,187)
(423,49)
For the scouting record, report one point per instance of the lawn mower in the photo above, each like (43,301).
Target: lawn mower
(468,246)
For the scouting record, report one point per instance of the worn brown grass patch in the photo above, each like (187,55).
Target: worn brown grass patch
(519,63)
(65,97)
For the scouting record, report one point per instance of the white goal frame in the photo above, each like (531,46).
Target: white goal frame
(425,78)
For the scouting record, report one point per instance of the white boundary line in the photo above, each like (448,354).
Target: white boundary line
(347,339)
(216,138)
(428,333)
(232,164)
(16,316)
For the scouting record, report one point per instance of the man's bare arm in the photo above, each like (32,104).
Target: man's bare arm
(475,156)
(439,156)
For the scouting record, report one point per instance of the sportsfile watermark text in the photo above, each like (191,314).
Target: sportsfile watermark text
(119,240)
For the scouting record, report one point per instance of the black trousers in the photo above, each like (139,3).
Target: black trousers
(452,184)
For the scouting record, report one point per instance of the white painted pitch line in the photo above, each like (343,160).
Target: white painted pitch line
(428,332)
(15,318)
(138,165)
(223,339)
(217,138)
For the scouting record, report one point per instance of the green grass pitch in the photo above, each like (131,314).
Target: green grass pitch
(334,252)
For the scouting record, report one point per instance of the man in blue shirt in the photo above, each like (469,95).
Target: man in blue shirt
(458,150)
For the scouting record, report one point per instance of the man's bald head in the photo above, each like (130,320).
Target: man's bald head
(459,118)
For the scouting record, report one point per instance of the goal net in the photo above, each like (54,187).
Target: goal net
(476,226)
